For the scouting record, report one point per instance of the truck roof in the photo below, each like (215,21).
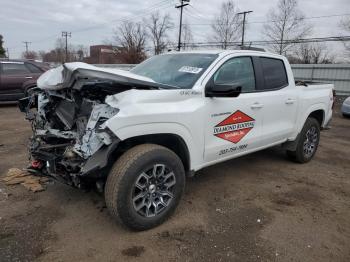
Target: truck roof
(227,52)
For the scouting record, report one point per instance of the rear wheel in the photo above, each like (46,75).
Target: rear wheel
(145,186)
(308,142)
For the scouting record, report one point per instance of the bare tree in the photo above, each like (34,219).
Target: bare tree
(345,25)
(226,27)
(30,55)
(187,37)
(287,23)
(41,55)
(131,38)
(157,27)
(80,52)
(313,53)
(58,54)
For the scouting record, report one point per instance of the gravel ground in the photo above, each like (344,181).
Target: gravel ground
(260,207)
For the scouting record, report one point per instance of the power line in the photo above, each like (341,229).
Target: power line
(195,14)
(166,4)
(273,21)
(191,14)
(243,23)
(66,34)
(141,14)
(268,42)
(27,44)
(182,4)
(152,8)
(197,11)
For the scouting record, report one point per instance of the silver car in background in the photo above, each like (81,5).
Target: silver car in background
(345,109)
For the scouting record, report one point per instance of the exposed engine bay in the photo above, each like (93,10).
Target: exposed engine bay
(68,128)
(68,114)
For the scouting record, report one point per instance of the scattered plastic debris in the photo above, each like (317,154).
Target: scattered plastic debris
(17,176)
(3,195)
(258,220)
(220,211)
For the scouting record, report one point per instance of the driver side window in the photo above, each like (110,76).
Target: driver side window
(237,71)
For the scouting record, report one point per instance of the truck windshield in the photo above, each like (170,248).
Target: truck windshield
(181,70)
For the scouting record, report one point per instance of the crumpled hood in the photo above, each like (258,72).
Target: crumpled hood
(66,74)
(135,97)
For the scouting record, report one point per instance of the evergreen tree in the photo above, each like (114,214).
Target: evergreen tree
(2,50)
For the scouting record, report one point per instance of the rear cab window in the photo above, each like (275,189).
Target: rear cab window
(274,73)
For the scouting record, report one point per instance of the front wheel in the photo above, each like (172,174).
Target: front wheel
(308,142)
(144,186)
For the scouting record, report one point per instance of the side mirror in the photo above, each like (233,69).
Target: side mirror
(222,90)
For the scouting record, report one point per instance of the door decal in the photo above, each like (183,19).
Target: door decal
(234,127)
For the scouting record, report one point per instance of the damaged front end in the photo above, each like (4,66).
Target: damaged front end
(70,139)
(68,114)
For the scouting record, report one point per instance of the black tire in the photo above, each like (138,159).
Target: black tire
(291,155)
(305,154)
(129,169)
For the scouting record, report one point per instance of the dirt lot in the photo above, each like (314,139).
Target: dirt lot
(261,207)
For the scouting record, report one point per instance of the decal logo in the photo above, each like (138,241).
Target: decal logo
(234,127)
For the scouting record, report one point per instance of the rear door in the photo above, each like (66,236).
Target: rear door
(280,101)
(13,75)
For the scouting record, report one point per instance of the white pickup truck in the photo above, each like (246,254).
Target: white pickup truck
(136,135)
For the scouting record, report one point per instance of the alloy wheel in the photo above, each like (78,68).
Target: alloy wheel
(153,190)
(310,143)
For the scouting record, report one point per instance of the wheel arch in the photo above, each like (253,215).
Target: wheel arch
(171,141)
(317,111)
(164,134)
(319,115)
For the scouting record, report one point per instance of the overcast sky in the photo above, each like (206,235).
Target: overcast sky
(93,21)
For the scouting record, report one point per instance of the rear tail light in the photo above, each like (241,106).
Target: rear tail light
(333,97)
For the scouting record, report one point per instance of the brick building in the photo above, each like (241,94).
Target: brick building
(102,54)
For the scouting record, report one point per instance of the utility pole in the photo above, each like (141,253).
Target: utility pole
(66,35)
(8,53)
(243,24)
(27,44)
(182,4)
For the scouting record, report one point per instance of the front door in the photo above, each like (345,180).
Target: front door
(233,125)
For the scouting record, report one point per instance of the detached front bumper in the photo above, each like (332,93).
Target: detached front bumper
(74,172)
